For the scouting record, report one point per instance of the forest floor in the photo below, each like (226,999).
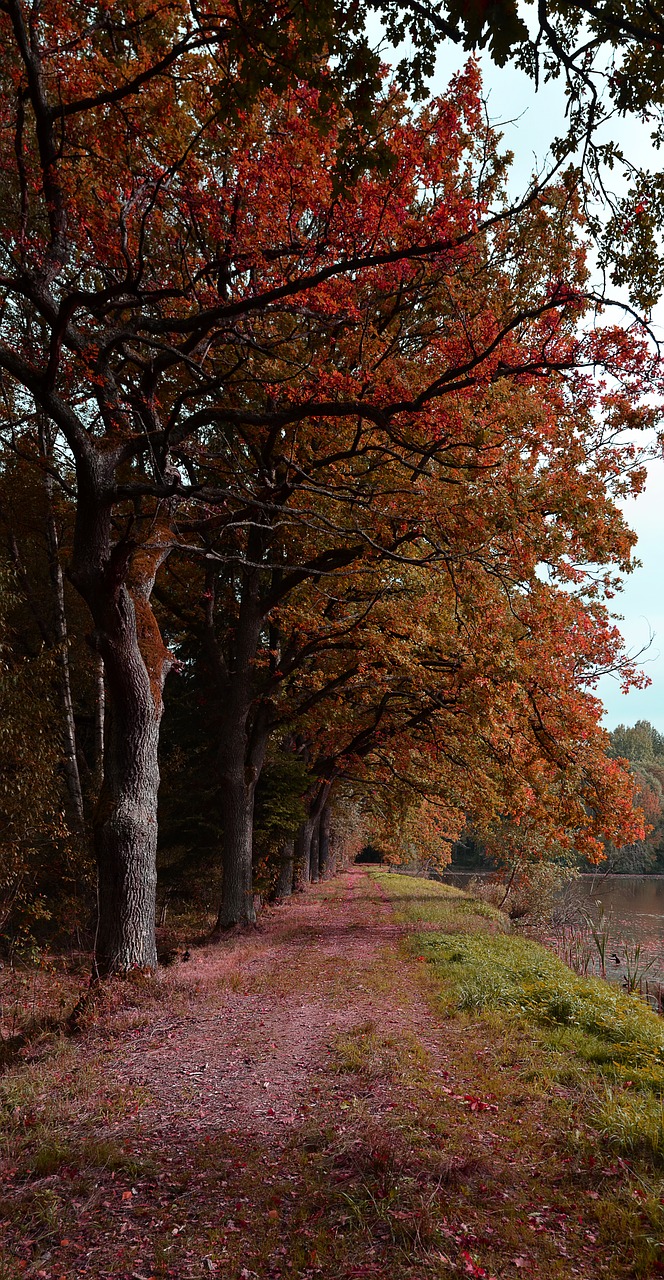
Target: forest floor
(297,1102)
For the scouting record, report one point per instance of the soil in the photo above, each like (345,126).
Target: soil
(243,1060)
(291,1106)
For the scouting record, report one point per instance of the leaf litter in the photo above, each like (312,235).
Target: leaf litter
(291,1106)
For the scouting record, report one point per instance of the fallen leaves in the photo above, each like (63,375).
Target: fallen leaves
(478,1104)
(473,1268)
(234,1193)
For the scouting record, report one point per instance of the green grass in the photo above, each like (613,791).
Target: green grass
(436,903)
(589,1031)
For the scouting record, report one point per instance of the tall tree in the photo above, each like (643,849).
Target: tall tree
(113,277)
(391,415)
(42,858)
(135,277)
(36,525)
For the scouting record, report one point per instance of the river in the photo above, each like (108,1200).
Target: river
(635,903)
(629,908)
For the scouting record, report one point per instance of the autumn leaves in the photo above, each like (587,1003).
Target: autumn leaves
(351,423)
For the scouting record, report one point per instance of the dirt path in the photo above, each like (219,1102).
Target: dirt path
(291,1107)
(265,1012)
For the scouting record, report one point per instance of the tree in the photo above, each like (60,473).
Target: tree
(353,409)
(110,298)
(643,746)
(32,521)
(134,285)
(85,164)
(608,56)
(642,742)
(38,846)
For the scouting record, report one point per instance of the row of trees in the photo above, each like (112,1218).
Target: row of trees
(314,419)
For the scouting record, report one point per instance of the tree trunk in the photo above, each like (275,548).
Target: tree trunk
(243,737)
(241,756)
(116,582)
(306,842)
(72,774)
(324,842)
(237,895)
(284,886)
(303,853)
(333,855)
(100,712)
(313,852)
(125,818)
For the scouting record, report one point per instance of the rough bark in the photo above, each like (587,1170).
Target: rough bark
(306,842)
(243,736)
(324,864)
(284,885)
(125,818)
(116,583)
(237,898)
(100,713)
(302,853)
(313,851)
(333,856)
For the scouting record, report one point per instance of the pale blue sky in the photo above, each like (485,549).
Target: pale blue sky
(536,118)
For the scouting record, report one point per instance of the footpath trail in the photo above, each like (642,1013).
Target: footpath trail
(290,1105)
(265,1013)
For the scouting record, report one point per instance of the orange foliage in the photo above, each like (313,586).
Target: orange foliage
(378,401)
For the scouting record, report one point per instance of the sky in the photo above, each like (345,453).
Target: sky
(529,121)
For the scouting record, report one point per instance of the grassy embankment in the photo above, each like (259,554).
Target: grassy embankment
(515,1130)
(595,1052)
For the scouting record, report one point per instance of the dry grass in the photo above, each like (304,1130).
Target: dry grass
(437,1136)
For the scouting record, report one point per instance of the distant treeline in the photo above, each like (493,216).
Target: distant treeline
(643,746)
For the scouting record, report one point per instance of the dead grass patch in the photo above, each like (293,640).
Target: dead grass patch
(366,1050)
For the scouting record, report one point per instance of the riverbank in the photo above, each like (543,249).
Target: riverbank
(605,924)
(372,1085)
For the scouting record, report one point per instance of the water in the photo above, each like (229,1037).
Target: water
(635,903)
(633,907)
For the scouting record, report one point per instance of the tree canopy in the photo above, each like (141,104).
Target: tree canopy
(337,430)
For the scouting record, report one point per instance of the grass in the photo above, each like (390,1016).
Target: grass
(590,1031)
(480,972)
(431,902)
(365,1050)
(576,1068)
(507,1125)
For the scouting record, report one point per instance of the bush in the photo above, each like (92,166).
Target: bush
(532,894)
